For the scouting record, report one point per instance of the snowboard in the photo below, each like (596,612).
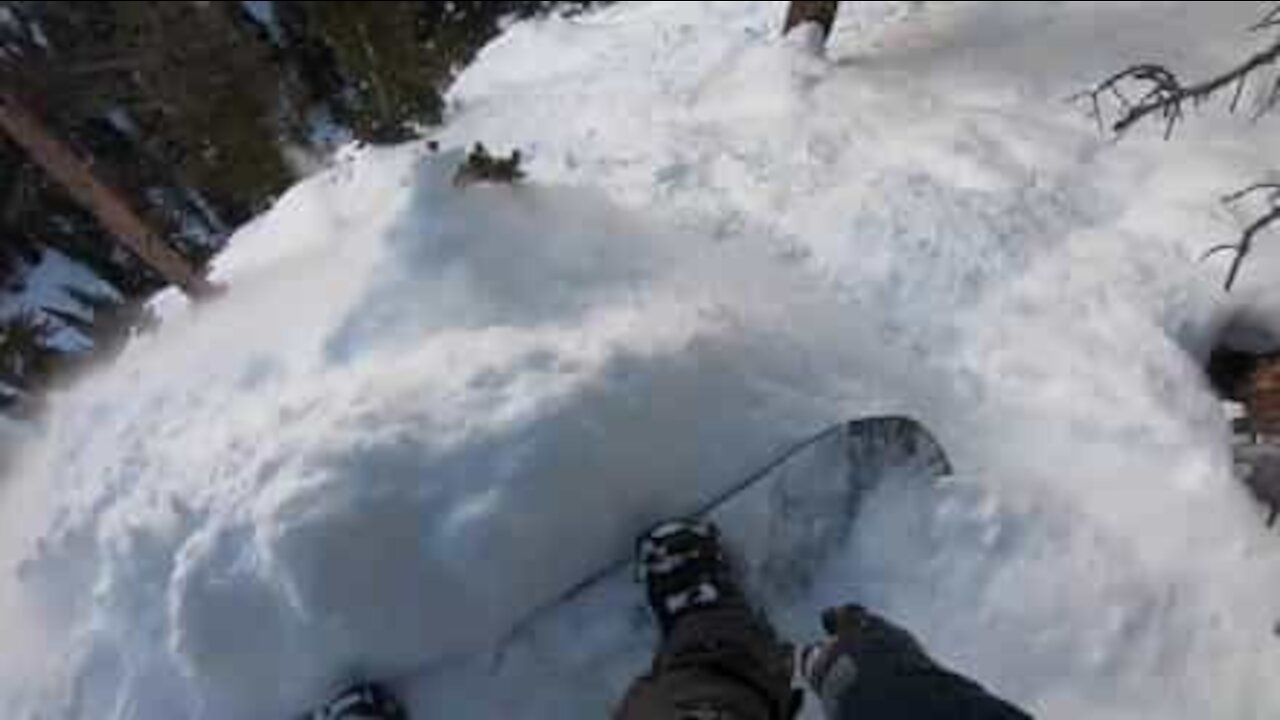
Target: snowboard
(782,520)
(780,525)
(783,525)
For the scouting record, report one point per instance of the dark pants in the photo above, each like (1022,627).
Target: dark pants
(719,664)
(727,664)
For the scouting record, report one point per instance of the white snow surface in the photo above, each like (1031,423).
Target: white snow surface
(420,411)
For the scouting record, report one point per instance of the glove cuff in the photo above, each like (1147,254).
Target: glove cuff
(830,671)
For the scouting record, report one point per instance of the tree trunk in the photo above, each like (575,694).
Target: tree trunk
(822,12)
(101,200)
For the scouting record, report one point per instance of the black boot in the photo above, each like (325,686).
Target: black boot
(364,701)
(684,568)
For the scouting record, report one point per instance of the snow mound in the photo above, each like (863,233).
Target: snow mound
(431,398)
(420,411)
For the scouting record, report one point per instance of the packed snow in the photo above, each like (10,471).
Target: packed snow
(420,410)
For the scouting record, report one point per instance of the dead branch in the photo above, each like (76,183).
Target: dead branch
(1273,188)
(1242,246)
(77,177)
(1271,19)
(1160,93)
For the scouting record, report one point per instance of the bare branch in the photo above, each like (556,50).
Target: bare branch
(1160,94)
(1274,187)
(1235,99)
(1244,245)
(1097,113)
(1230,247)
(1164,95)
(1272,99)
(1270,20)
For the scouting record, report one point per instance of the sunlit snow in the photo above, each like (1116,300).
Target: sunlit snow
(419,411)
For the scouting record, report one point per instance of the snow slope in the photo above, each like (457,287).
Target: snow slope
(418,411)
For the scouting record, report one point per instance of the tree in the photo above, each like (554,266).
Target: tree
(103,201)
(820,12)
(37,211)
(201,87)
(26,360)
(380,74)
(380,69)
(1152,91)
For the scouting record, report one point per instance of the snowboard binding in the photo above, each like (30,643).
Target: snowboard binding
(362,701)
(684,568)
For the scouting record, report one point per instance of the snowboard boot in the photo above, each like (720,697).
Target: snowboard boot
(684,568)
(363,701)
(718,658)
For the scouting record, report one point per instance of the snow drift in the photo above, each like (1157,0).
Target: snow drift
(421,410)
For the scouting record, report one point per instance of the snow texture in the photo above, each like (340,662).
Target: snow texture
(45,286)
(420,410)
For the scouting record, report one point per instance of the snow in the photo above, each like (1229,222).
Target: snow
(264,12)
(419,411)
(122,121)
(45,286)
(37,34)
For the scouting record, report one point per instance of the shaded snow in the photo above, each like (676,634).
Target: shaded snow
(420,411)
(264,12)
(45,285)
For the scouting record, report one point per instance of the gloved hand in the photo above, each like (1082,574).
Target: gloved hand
(829,666)
(870,668)
(860,646)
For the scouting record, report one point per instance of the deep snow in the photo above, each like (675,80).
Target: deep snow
(418,411)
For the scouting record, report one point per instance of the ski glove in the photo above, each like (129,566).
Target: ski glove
(870,669)
(861,646)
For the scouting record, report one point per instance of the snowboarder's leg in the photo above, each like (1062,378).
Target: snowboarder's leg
(718,657)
